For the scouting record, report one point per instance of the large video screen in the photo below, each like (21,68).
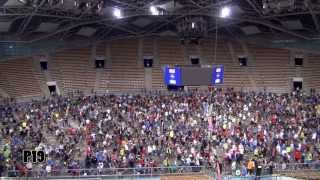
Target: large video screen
(193,76)
(217,75)
(172,76)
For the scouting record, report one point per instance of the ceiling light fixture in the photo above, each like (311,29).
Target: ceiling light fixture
(225,12)
(154,10)
(24,2)
(117,13)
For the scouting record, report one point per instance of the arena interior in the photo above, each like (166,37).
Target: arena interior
(160,89)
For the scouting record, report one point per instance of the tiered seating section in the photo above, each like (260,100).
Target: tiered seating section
(170,52)
(73,69)
(76,70)
(272,68)
(17,78)
(314,74)
(235,75)
(125,73)
(4,85)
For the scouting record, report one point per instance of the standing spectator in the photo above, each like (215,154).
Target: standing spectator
(244,171)
(251,167)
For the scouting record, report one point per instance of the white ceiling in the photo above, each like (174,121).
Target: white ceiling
(86,31)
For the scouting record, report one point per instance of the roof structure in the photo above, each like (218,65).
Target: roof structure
(32,21)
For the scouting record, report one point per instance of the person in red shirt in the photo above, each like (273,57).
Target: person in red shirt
(297,155)
(274,119)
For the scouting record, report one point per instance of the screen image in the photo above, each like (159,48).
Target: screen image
(193,76)
(172,76)
(196,76)
(218,75)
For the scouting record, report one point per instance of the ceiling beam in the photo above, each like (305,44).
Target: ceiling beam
(154,2)
(224,25)
(39,14)
(276,27)
(254,7)
(134,6)
(270,25)
(314,16)
(109,30)
(193,2)
(105,21)
(83,13)
(42,12)
(290,14)
(28,20)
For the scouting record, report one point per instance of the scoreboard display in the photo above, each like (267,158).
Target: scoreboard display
(217,75)
(172,76)
(193,76)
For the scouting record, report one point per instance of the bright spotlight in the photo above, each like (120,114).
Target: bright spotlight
(76,3)
(88,5)
(23,1)
(154,11)
(225,12)
(193,25)
(117,13)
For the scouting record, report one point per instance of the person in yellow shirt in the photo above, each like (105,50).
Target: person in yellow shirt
(24,124)
(308,158)
(289,150)
(121,152)
(166,162)
(171,134)
(318,109)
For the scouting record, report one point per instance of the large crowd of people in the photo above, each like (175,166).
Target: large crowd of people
(240,130)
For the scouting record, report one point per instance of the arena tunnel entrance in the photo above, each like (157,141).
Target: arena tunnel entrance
(297,83)
(53,87)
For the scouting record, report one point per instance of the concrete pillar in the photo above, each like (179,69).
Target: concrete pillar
(3,93)
(148,78)
(140,53)
(108,55)
(156,60)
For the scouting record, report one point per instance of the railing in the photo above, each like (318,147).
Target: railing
(297,166)
(115,172)
(288,168)
(163,171)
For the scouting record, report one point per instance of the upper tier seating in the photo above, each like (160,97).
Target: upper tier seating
(74,69)
(17,78)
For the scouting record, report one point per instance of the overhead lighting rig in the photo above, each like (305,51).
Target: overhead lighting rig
(192,28)
(89,6)
(281,6)
(156,11)
(25,2)
(55,3)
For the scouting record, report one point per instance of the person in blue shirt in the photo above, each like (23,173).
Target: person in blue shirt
(244,171)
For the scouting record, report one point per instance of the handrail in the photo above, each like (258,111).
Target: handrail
(155,171)
(145,171)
